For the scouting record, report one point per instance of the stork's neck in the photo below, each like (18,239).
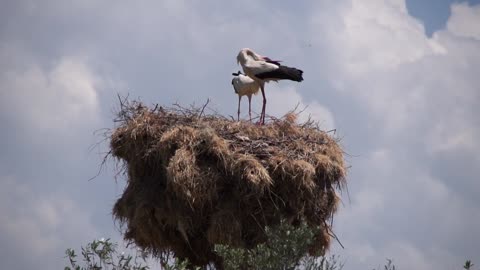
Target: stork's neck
(244,58)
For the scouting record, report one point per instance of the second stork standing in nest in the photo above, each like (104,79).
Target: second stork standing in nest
(244,86)
(262,69)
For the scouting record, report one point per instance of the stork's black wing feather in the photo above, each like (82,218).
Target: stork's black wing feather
(273,62)
(282,73)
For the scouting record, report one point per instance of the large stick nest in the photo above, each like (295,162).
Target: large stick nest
(195,181)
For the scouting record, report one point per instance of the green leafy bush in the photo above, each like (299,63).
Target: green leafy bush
(286,248)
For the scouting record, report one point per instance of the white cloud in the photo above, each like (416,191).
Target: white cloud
(421,94)
(51,99)
(465,20)
(367,41)
(50,110)
(39,226)
(385,60)
(454,136)
(281,100)
(399,212)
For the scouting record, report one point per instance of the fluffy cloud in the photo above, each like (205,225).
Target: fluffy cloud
(50,99)
(281,99)
(37,226)
(421,94)
(464,20)
(48,111)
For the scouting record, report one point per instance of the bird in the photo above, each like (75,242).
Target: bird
(244,86)
(262,69)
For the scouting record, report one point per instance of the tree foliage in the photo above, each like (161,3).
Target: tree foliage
(103,254)
(286,249)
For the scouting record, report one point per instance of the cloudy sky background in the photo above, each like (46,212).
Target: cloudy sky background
(398,80)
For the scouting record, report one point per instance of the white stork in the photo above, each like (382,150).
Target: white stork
(262,69)
(244,86)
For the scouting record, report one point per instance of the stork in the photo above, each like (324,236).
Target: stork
(263,69)
(244,86)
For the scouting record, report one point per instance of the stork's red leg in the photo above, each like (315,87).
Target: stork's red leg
(250,107)
(262,116)
(238,112)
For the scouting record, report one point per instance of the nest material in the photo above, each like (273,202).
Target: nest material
(195,181)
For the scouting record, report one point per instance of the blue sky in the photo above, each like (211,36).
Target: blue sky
(433,13)
(401,90)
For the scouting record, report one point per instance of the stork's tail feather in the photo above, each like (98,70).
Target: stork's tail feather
(283,73)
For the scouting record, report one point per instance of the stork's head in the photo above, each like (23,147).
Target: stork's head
(246,54)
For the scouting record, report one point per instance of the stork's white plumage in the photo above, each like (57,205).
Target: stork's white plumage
(262,69)
(244,86)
